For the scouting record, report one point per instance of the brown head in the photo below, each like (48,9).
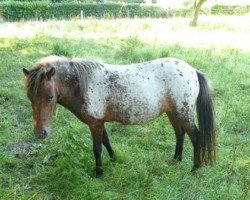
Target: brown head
(42,92)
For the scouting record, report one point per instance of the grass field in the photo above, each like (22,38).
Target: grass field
(61,167)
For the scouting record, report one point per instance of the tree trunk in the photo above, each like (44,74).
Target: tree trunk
(197,8)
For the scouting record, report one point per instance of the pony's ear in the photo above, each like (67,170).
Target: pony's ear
(50,73)
(26,72)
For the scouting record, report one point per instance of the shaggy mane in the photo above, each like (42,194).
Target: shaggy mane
(81,69)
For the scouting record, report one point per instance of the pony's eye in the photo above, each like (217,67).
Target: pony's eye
(50,98)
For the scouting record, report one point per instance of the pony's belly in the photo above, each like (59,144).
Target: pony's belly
(135,114)
(143,119)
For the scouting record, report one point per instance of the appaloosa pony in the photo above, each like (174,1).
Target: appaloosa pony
(131,94)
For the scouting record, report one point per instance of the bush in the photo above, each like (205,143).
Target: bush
(45,9)
(14,11)
(49,9)
(230,10)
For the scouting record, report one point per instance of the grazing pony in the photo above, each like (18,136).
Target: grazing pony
(130,94)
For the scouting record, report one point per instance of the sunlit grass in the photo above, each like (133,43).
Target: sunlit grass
(223,31)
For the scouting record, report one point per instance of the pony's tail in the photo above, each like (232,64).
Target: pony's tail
(205,114)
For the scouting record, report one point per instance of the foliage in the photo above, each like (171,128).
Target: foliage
(230,10)
(61,167)
(45,10)
(16,10)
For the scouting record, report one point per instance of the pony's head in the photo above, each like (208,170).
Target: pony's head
(42,92)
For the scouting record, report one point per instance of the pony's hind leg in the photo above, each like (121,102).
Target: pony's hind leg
(195,138)
(106,143)
(179,134)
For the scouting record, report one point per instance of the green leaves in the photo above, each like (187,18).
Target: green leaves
(15,11)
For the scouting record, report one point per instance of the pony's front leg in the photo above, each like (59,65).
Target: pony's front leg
(97,129)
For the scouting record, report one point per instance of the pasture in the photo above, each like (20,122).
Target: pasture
(61,166)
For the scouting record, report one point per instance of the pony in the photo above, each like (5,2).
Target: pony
(97,92)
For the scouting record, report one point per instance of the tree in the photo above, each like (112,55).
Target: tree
(196,10)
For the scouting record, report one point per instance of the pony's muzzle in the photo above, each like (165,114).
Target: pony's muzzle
(42,133)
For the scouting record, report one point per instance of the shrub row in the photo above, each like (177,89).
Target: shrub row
(14,11)
(230,10)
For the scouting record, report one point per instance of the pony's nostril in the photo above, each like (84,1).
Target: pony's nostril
(44,133)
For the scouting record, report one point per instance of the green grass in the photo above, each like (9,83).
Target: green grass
(61,167)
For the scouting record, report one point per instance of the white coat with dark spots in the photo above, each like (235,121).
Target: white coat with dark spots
(140,92)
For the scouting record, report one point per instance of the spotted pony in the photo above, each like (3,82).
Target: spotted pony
(130,94)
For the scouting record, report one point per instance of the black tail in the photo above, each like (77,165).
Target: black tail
(205,113)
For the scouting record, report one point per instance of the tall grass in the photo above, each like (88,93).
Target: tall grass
(61,49)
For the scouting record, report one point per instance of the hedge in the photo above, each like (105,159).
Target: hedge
(14,11)
(230,10)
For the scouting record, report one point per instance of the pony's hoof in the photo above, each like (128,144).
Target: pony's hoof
(98,172)
(174,161)
(194,169)
(113,158)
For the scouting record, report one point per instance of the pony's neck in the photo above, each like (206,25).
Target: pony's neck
(69,94)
